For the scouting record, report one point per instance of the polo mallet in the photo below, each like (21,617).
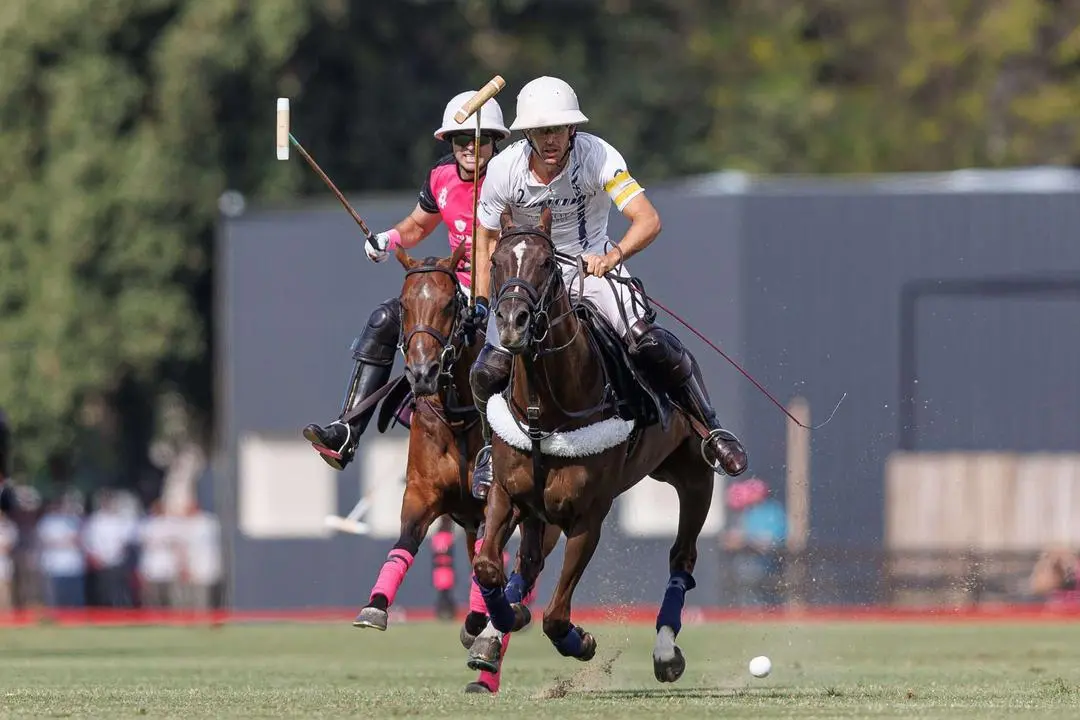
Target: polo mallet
(471,106)
(285,136)
(351,523)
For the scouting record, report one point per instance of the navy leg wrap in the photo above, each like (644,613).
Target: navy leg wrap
(570,645)
(671,609)
(498,607)
(515,588)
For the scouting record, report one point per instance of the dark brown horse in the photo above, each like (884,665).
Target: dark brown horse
(569,457)
(444,437)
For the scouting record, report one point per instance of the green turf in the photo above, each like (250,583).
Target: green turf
(418,670)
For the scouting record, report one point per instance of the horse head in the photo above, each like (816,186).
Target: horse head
(432,306)
(526,274)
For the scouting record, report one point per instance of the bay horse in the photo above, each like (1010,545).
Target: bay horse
(562,451)
(444,438)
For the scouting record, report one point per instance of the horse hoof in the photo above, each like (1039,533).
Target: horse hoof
(671,669)
(484,654)
(371,617)
(467,638)
(588,647)
(477,688)
(522,617)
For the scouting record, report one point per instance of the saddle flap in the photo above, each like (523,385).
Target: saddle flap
(395,400)
(636,398)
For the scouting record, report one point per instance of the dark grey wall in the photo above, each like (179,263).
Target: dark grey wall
(798,283)
(821,307)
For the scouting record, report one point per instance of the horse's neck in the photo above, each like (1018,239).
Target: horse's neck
(568,375)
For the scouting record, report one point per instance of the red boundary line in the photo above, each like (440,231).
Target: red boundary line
(639,614)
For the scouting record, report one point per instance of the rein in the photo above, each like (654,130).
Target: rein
(539,302)
(636,287)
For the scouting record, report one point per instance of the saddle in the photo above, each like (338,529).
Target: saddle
(635,398)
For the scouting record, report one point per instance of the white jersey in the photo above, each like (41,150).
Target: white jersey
(580,196)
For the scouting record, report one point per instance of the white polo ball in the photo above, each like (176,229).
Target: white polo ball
(760,666)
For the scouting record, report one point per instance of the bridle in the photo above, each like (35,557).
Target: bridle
(449,344)
(538,301)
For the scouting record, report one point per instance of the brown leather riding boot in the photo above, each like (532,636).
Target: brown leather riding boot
(721,447)
(674,370)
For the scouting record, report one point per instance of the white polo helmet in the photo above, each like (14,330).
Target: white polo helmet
(547,101)
(491,117)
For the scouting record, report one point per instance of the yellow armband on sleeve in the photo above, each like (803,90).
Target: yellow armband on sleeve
(622,189)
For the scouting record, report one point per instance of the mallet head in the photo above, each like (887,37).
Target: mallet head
(283,128)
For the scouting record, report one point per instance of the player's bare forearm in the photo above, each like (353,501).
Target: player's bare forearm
(485,243)
(644,227)
(417,226)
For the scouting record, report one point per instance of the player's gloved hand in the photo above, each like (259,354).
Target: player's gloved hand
(477,318)
(378,253)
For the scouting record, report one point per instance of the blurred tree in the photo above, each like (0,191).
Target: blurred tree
(124,121)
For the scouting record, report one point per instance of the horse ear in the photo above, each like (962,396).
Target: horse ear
(459,252)
(403,257)
(506,220)
(545,219)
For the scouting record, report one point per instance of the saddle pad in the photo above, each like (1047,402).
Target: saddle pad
(589,440)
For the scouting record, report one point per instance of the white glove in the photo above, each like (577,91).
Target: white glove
(382,241)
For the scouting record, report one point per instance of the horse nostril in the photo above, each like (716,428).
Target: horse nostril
(431,372)
(521,319)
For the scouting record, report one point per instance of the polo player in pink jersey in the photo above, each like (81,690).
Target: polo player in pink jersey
(446,197)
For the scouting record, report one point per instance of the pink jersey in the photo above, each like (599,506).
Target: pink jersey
(446,194)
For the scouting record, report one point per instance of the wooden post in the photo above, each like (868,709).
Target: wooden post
(797,500)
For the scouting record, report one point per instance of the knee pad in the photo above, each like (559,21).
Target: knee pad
(490,373)
(377,343)
(661,352)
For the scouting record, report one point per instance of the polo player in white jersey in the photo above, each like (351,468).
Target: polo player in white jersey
(577,175)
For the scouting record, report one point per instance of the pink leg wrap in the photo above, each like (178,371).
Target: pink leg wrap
(492,679)
(476,600)
(393,572)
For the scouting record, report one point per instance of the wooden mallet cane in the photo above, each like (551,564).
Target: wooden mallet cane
(284,136)
(471,106)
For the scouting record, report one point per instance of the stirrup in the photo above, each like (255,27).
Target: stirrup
(340,452)
(723,434)
(479,488)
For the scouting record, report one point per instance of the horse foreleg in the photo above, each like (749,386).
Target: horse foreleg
(581,542)
(695,496)
(476,618)
(488,566)
(530,561)
(419,508)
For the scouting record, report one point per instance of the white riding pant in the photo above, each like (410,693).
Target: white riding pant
(610,298)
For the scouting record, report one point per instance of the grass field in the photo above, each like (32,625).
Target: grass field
(820,670)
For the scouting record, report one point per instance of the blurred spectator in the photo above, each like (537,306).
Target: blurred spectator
(442,568)
(61,555)
(107,536)
(9,536)
(201,566)
(756,539)
(159,559)
(1054,576)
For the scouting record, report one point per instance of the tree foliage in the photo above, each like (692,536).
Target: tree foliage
(124,120)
